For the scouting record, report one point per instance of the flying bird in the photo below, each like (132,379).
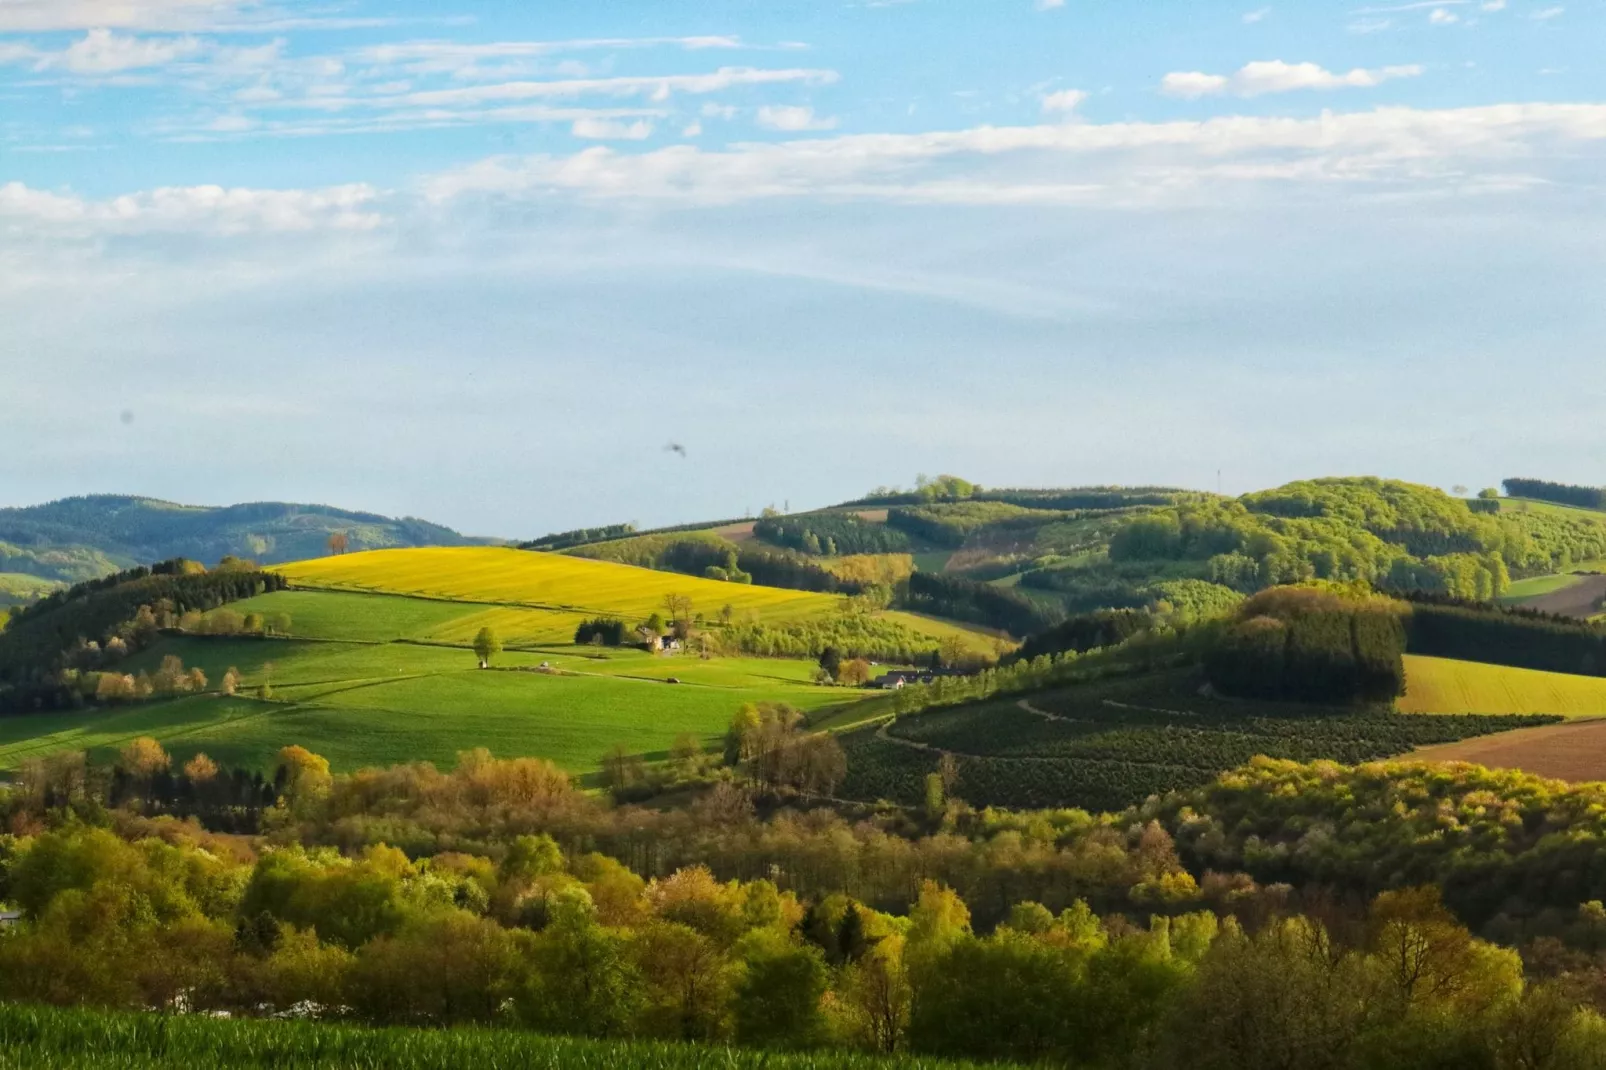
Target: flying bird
(675,447)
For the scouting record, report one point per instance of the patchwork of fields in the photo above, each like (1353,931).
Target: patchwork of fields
(538,598)
(373,679)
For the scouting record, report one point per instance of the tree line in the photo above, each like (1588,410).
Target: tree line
(1167,935)
(119,618)
(1560,493)
(1527,639)
(831,535)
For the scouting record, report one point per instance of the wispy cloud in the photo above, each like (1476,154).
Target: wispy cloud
(1545,14)
(1258,15)
(1064,102)
(790,118)
(193,209)
(1276,76)
(1116,165)
(198,16)
(611,130)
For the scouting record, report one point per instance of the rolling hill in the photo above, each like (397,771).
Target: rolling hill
(373,665)
(83,538)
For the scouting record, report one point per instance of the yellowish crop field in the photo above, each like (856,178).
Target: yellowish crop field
(1441,685)
(545,581)
(540,598)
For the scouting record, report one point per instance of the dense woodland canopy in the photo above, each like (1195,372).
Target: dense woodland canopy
(1258,921)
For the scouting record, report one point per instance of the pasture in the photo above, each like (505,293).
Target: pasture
(379,703)
(1442,685)
(374,679)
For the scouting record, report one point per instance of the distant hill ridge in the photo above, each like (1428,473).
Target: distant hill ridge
(84,537)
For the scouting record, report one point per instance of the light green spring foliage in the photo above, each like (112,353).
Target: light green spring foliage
(1384,532)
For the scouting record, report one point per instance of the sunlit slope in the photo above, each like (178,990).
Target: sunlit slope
(544,581)
(539,597)
(1442,685)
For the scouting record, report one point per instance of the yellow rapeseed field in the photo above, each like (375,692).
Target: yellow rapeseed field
(546,595)
(1441,685)
(544,581)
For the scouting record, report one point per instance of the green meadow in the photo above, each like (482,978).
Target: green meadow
(364,680)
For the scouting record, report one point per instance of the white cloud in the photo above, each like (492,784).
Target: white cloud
(655,87)
(1258,15)
(1191,84)
(1064,101)
(45,15)
(104,52)
(1493,5)
(1049,5)
(462,59)
(1443,17)
(792,119)
(1275,76)
(611,129)
(1392,150)
(192,209)
(1415,5)
(1547,13)
(692,129)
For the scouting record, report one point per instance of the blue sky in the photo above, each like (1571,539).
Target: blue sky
(480,263)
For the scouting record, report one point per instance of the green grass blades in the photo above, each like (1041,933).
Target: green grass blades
(39,1038)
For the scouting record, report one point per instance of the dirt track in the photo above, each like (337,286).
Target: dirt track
(1574,750)
(1582,599)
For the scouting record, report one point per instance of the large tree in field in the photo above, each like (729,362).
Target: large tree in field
(339,542)
(486,646)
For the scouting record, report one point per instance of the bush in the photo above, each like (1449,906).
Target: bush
(605,631)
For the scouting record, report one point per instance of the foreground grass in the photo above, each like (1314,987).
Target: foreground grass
(1443,685)
(51,1039)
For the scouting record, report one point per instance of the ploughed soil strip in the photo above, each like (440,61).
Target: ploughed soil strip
(1574,750)
(1581,599)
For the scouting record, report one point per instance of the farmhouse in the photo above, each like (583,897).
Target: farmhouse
(898,679)
(9,917)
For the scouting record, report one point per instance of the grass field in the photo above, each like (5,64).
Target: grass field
(19,587)
(1535,586)
(1533,505)
(1441,685)
(41,1038)
(376,667)
(379,703)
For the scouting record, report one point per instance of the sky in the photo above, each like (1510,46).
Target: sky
(482,263)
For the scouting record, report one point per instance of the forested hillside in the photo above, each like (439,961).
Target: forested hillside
(78,539)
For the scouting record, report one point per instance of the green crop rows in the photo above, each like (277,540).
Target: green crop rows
(1113,744)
